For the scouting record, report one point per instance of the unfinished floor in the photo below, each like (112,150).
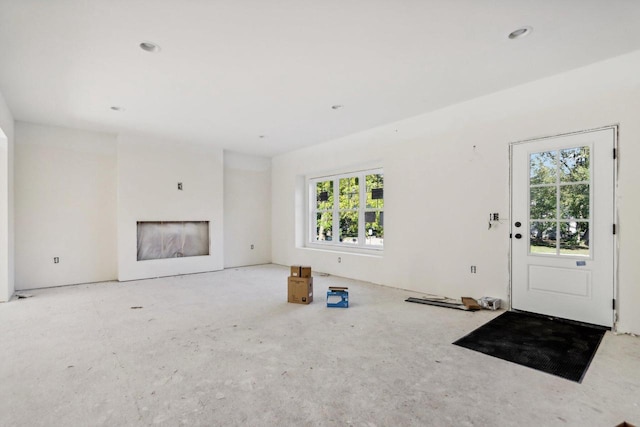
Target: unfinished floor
(225,349)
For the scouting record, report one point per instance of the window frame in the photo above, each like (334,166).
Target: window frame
(312,210)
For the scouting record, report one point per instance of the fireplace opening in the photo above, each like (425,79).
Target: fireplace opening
(172,239)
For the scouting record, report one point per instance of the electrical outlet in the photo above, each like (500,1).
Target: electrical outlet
(473,269)
(494,216)
(56,260)
(251,246)
(179,186)
(339,260)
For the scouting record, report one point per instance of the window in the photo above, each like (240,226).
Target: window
(348,210)
(560,202)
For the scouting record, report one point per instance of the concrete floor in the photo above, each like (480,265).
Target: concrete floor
(226,349)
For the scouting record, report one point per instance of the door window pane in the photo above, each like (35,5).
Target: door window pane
(574,164)
(574,201)
(542,238)
(543,168)
(543,203)
(574,238)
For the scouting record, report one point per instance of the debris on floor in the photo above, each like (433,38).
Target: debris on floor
(136,307)
(445,302)
(489,303)
(22,295)
(464,303)
(470,303)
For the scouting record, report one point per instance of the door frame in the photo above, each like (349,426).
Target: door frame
(6,287)
(616,139)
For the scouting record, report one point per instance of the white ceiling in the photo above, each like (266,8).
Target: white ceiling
(232,70)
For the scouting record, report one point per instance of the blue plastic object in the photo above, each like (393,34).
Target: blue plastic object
(344,299)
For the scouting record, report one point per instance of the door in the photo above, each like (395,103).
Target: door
(562,246)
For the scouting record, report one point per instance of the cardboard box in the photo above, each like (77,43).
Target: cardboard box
(470,303)
(300,290)
(300,271)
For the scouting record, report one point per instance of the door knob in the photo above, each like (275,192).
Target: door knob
(518,224)
(518,236)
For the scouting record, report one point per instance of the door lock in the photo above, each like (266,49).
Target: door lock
(518,236)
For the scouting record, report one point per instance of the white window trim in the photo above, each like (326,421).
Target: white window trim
(336,245)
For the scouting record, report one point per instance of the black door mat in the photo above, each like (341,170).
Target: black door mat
(554,346)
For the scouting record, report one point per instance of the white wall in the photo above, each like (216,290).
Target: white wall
(440,189)
(247,210)
(65,206)
(6,202)
(148,173)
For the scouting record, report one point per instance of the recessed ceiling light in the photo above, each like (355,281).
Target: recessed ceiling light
(116,108)
(520,32)
(150,47)
(336,107)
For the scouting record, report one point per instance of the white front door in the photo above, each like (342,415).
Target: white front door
(562,226)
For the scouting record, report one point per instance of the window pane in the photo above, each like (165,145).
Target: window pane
(574,201)
(542,168)
(574,238)
(375,191)
(324,226)
(324,195)
(349,193)
(574,164)
(349,227)
(373,228)
(542,203)
(542,238)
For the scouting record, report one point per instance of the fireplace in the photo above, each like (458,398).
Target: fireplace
(172,239)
